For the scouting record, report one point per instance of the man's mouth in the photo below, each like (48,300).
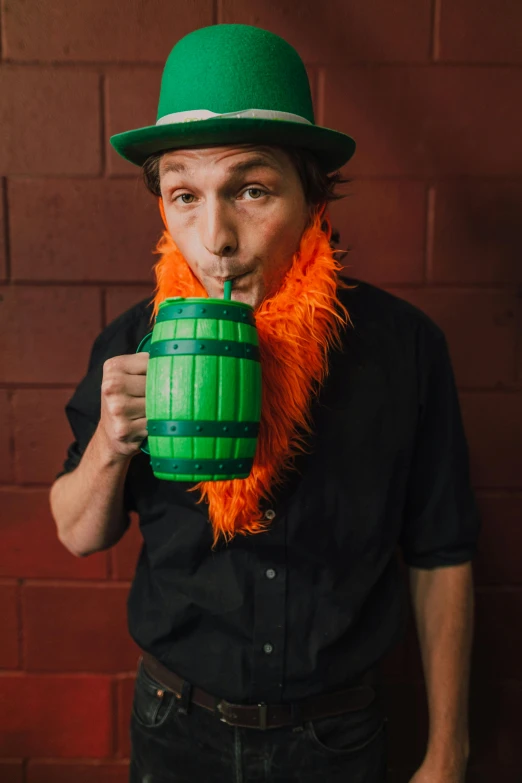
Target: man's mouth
(233,278)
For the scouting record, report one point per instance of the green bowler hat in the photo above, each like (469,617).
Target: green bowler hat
(234,83)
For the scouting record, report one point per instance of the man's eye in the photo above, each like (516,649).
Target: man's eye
(256,193)
(183,196)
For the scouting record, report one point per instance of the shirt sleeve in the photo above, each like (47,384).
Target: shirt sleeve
(441,520)
(83,409)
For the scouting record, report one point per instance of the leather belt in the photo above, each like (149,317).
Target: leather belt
(267,716)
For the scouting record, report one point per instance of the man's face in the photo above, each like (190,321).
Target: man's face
(234,212)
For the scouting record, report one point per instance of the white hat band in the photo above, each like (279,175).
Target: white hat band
(205,114)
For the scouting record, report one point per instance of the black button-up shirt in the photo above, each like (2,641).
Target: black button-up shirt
(317,599)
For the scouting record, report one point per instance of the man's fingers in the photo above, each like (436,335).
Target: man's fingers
(131,364)
(135,385)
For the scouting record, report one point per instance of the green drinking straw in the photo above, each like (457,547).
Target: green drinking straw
(228,290)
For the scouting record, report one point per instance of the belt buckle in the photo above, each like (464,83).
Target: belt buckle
(262,708)
(221,707)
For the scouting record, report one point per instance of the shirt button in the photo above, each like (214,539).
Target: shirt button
(270,513)
(270,573)
(268,648)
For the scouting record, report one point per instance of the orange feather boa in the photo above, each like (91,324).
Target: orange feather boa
(297,326)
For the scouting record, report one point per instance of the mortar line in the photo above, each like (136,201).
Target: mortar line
(103,307)
(430,234)
(435,30)
(7,237)
(103,161)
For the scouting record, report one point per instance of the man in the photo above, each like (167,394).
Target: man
(263,606)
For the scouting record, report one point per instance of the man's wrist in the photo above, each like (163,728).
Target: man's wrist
(449,754)
(107,457)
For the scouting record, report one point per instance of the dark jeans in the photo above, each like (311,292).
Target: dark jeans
(168,746)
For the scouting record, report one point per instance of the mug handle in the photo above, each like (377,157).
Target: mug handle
(144,347)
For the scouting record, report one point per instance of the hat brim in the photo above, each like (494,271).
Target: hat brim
(332,148)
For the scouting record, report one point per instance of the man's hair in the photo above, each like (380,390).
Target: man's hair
(318,187)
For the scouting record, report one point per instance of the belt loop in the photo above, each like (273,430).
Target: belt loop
(296,716)
(262,715)
(186,694)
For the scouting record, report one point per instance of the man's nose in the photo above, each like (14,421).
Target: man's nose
(219,234)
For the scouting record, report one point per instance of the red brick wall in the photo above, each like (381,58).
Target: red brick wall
(430,89)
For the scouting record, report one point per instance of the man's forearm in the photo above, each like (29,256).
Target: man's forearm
(444,606)
(87,504)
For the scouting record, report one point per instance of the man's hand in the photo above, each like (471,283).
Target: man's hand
(123,425)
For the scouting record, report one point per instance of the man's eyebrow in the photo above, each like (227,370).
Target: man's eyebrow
(178,168)
(254,163)
(235,168)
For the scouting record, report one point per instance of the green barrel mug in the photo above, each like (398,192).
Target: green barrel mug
(203,390)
